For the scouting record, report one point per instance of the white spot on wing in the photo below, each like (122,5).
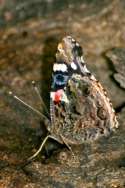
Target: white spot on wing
(82,59)
(77,44)
(63,68)
(52,95)
(85,69)
(59,67)
(73,40)
(73,66)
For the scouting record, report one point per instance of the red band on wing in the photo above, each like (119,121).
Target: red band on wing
(58,95)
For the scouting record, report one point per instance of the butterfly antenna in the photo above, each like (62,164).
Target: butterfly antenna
(39,96)
(29,106)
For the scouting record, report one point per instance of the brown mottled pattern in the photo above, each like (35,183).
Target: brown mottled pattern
(88,115)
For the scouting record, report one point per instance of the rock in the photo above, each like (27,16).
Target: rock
(27,50)
(117,58)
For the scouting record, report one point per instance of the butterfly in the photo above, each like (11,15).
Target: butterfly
(80,110)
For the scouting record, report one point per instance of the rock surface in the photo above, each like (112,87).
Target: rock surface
(117,57)
(27,49)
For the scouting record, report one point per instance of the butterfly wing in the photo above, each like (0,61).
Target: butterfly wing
(80,110)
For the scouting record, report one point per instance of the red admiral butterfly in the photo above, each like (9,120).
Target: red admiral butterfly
(80,110)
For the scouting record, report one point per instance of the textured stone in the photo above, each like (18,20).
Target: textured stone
(27,52)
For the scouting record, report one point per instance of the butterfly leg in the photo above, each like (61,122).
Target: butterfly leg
(68,146)
(41,147)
